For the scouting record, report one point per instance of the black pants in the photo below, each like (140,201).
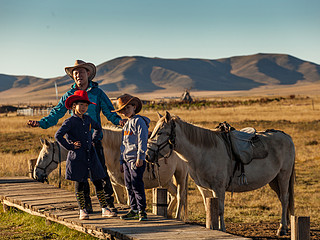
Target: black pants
(80,186)
(107,187)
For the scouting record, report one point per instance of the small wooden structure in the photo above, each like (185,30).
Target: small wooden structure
(160,205)
(186,97)
(300,228)
(60,206)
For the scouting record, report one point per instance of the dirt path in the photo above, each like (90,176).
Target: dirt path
(262,231)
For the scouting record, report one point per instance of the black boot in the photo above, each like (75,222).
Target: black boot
(112,207)
(107,186)
(87,198)
(106,212)
(81,202)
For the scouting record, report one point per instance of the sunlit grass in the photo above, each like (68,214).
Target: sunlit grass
(297,117)
(16,224)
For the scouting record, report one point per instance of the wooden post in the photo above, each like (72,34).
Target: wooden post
(31,164)
(212,214)
(312,105)
(300,228)
(160,205)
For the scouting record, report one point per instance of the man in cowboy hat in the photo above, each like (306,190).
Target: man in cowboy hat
(82,73)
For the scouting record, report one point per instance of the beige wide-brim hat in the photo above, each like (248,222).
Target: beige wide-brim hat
(125,99)
(82,64)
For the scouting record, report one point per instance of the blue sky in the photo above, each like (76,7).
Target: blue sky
(41,37)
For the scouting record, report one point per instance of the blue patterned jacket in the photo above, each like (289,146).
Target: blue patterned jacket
(95,95)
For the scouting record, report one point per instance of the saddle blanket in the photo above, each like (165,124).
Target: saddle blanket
(247,145)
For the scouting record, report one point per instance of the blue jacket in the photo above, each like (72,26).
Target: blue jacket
(80,160)
(95,95)
(134,139)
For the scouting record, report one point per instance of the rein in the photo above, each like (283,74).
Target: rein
(44,169)
(171,141)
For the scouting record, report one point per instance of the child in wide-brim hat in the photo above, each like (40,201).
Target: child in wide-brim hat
(127,99)
(78,96)
(82,160)
(132,158)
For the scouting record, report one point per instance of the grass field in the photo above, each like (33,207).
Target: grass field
(297,116)
(16,224)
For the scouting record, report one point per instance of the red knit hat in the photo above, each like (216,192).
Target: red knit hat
(79,95)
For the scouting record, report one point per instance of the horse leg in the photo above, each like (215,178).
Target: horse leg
(275,187)
(172,189)
(120,193)
(221,196)
(182,194)
(205,193)
(282,183)
(209,193)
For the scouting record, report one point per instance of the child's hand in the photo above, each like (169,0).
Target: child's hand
(33,123)
(139,162)
(77,144)
(122,122)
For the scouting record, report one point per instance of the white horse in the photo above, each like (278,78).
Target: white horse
(51,153)
(211,166)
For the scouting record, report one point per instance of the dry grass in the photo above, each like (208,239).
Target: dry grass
(298,117)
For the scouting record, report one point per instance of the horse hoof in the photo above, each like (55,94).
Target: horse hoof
(281,232)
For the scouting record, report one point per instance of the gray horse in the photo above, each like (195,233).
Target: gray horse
(211,166)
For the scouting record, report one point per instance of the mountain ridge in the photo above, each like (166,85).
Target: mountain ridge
(138,74)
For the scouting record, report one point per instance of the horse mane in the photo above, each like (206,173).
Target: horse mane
(112,136)
(198,135)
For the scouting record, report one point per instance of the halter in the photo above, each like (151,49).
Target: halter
(171,141)
(44,169)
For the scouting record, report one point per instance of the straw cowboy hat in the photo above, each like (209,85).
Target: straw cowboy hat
(81,64)
(125,99)
(79,95)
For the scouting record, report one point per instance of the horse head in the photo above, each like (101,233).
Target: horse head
(47,160)
(162,140)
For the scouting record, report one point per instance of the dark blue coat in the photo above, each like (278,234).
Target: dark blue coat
(83,159)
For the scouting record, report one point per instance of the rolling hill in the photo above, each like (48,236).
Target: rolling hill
(139,75)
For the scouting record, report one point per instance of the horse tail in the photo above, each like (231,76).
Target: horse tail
(291,192)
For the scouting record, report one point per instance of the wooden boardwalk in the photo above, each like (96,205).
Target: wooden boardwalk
(60,206)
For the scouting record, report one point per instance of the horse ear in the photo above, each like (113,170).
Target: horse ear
(44,142)
(159,115)
(167,116)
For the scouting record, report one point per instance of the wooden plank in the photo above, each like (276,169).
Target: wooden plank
(32,184)
(53,206)
(15,179)
(35,197)
(25,184)
(22,193)
(60,206)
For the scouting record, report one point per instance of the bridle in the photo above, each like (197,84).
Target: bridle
(171,141)
(44,169)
